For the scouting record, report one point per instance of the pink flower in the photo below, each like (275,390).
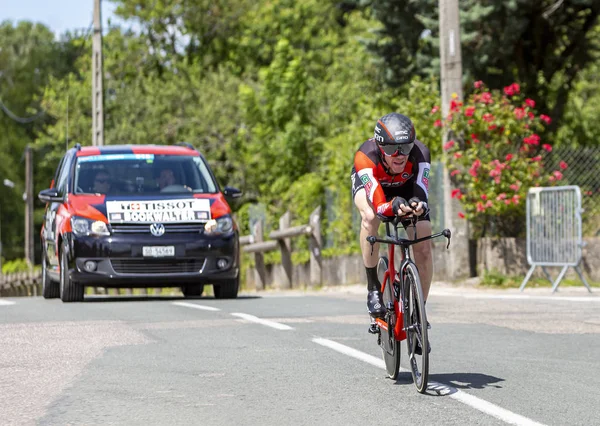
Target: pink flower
(558,175)
(435,109)
(531,115)
(516,199)
(508,90)
(547,147)
(486,98)
(545,118)
(457,155)
(473,172)
(449,144)
(455,105)
(437,123)
(454,172)
(507,202)
(456,194)
(488,117)
(516,88)
(470,111)
(563,165)
(478,84)
(519,113)
(489,203)
(476,164)
(532,140)
(483,197)
(474,138)
(514,187)
(509,157)
(492,127)
(537,158)
(530,103)
(471,121)
(461,215)
(501,196)
(480,207)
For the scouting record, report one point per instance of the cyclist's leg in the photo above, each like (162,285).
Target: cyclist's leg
(370,254)
(423,254)
(369,224)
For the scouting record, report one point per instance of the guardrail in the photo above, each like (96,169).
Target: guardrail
(21,284)
(280,239)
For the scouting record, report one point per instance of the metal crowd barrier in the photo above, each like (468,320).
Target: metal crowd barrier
(554,236)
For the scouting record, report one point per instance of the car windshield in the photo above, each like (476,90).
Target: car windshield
(117,174)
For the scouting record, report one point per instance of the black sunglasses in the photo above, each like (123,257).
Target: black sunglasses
(393,150)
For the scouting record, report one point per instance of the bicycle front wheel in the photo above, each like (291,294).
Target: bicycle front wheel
(390,347)
(415,322)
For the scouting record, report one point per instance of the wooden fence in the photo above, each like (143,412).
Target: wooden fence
(21,284)
(280,240)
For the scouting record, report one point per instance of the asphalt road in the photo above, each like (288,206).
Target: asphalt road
(297,358)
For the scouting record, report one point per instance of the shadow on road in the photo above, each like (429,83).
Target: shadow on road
(466,380)
(442,384)
(99,298)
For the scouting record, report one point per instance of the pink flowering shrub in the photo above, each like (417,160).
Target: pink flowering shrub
(494,154)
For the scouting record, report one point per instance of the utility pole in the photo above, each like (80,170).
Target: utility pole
(97,80)
(28,198)
(451,83)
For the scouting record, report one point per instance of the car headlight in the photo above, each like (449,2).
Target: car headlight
(84,227)
(222,225)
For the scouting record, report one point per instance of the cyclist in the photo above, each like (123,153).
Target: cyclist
(389,169)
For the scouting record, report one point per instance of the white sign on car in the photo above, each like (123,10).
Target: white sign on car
(159,211)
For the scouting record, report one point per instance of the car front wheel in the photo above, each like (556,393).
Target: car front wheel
(70,291)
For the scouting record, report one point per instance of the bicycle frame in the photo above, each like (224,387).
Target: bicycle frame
(393,241)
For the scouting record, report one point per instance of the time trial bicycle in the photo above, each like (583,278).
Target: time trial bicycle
(405,317)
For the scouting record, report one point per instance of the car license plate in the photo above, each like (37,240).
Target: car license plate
(158,251)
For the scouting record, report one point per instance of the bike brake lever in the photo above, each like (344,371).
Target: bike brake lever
(446,233)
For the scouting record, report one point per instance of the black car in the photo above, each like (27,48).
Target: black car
(138,216)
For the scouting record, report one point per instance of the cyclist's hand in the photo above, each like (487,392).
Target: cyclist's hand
(418,206)
(400,207)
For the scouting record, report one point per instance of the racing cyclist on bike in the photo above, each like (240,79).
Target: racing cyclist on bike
(389,169)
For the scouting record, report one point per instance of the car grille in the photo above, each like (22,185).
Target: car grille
(156,266)
(144,228)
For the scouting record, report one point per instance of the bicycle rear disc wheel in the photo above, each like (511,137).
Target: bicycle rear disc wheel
(390,347)
(415,321)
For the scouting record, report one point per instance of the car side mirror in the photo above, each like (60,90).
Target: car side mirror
(232,192)
(50,196)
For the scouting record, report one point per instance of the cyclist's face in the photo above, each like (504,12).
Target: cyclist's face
(396,164)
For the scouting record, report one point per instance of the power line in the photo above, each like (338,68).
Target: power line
(18,119)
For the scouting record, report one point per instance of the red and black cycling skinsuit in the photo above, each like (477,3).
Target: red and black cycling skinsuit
(371,173)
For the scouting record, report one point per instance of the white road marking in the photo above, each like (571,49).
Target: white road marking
(262,321)
(193,305)
(556,298)
(6,302)
(467,399)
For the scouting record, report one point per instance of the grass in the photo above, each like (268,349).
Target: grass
(494,279)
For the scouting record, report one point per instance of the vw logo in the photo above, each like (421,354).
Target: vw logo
(157,229)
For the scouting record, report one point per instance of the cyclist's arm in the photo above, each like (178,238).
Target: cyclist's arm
(365,169)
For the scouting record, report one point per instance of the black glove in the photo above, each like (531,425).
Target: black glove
(417,201)
(396,205)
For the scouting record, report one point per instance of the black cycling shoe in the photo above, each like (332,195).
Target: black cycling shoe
(419,349)
(375,304)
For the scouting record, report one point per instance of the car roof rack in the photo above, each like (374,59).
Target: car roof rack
(77,146)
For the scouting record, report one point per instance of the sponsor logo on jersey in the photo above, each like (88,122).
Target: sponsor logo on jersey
(367,183)
(425,178)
